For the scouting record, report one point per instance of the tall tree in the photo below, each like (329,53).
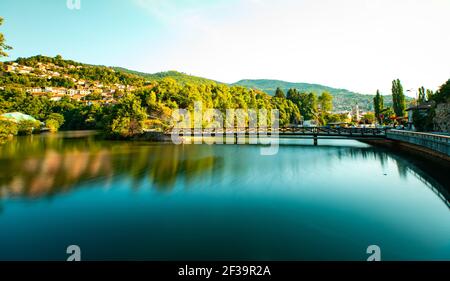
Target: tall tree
(326,102)
(398,98)
(3,46)
(378,104)
(421,96)
(292,95)
(430,94)
(128,117)
(279,93)
(309,106)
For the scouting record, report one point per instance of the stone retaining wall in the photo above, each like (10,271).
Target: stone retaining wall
(439,143)
(441,120)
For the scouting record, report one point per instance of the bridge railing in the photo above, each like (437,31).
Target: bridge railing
(335,131)
(327,131)
(434,141)
(427,136)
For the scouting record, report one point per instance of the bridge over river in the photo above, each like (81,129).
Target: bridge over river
(435,142)
(289,132)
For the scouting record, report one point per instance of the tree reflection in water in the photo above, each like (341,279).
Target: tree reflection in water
(45,165)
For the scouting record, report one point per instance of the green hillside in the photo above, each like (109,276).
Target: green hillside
(180,77)
(66,71)
(342,99)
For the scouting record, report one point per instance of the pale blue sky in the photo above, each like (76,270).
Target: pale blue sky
(360,45)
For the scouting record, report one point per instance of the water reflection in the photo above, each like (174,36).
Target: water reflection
(155,201)
(45,165)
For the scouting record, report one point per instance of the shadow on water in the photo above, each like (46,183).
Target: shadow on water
(47,165)
(432,172)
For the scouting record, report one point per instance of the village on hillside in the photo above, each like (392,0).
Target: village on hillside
(83,91)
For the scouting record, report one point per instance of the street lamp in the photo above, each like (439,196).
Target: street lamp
(415,95)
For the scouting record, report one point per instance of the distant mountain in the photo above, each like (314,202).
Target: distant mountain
(342,99)
(180,77)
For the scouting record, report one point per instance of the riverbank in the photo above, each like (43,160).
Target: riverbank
(435,142)
(405,147)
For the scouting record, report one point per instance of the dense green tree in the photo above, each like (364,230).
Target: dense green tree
(421,98)
(334,118)
(16,99)
(54,122)
(279,93)
(293,95)
(57,117)
(326,102)
(307,103)
(289,112)
(52,125)
(128,118)
(429,94)
(387,115)
(378,105)
(8,129)
(309,106)
(28,127)
(325,106)
(398,98)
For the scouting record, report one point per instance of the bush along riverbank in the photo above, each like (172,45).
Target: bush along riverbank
(14,124)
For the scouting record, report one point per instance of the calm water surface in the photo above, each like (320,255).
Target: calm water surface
(157,201)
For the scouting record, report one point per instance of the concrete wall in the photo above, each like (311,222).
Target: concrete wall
(434,142)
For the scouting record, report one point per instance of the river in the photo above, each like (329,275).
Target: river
(120,200)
